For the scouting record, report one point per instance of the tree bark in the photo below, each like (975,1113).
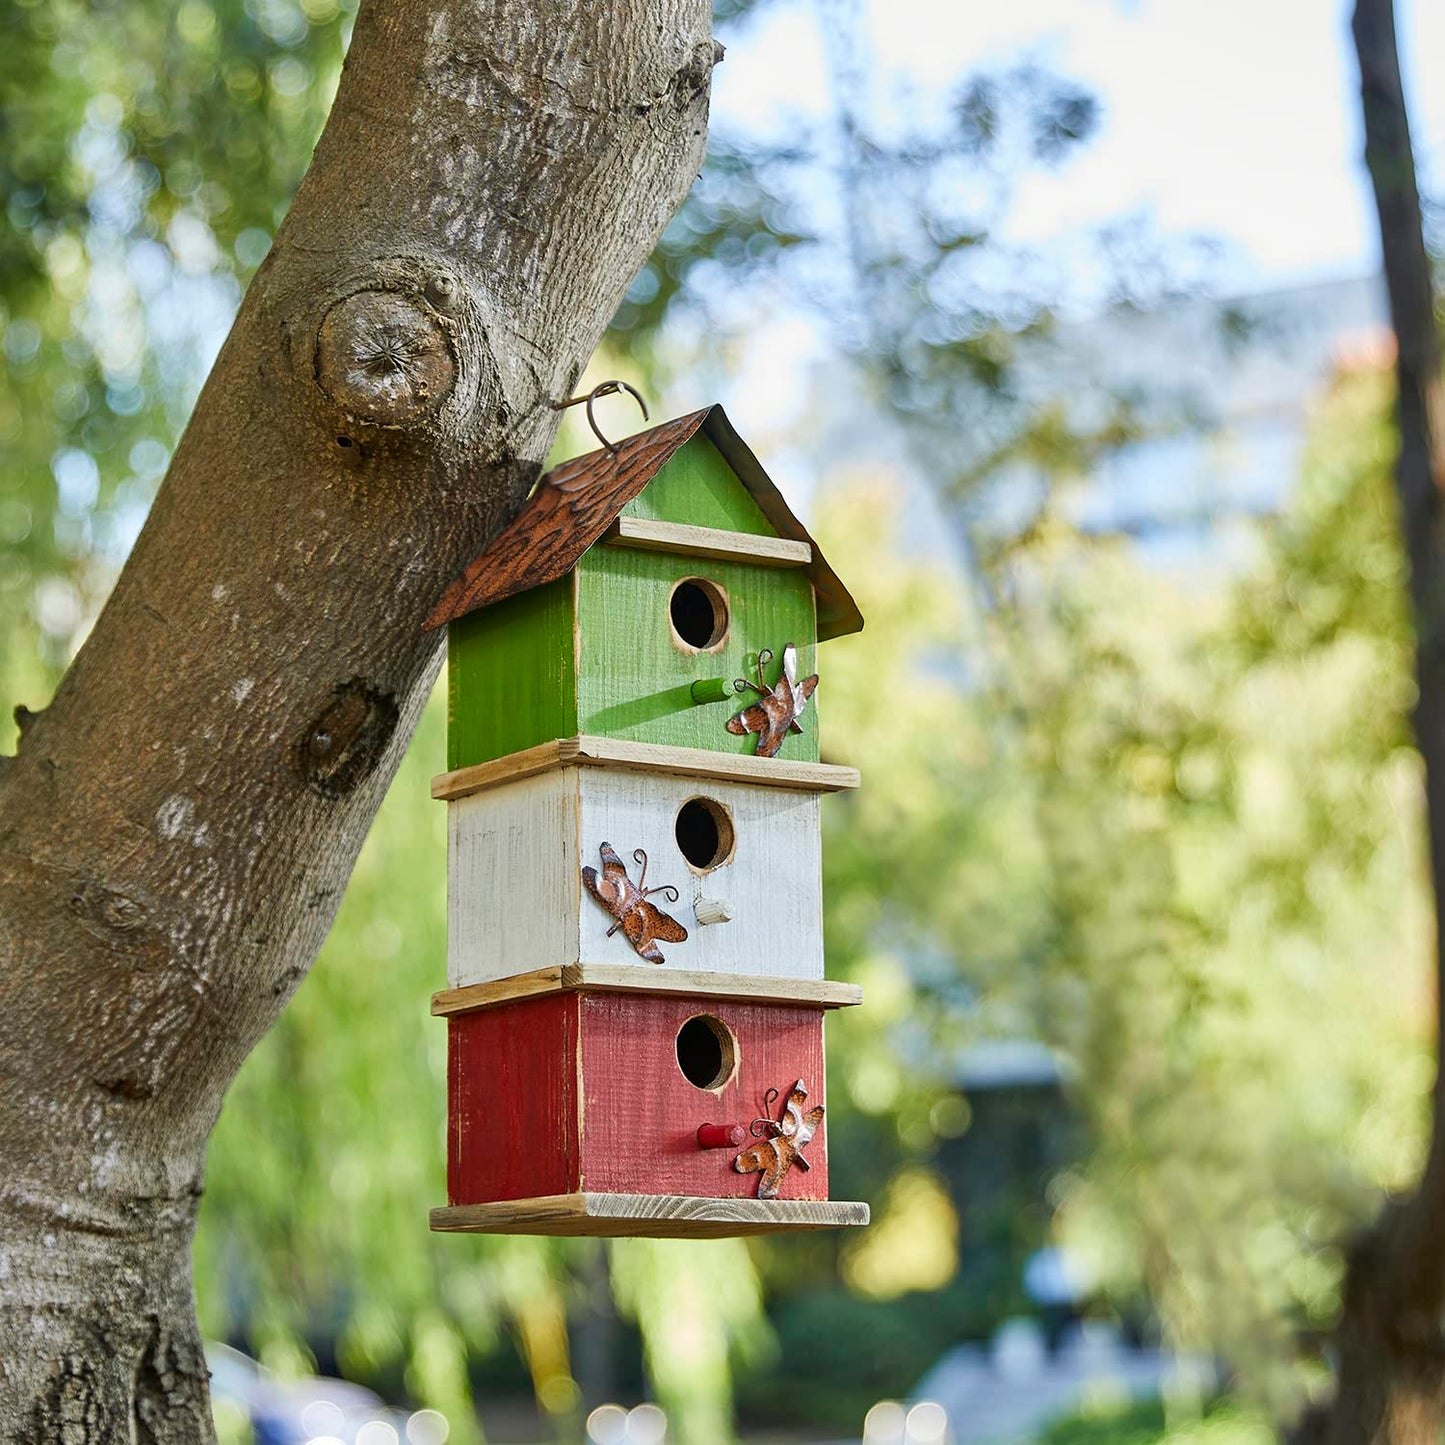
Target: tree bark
(178,825)
(1390,1366)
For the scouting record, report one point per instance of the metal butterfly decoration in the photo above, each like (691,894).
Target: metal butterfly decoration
(778,708)
(789,1135)
(626,901)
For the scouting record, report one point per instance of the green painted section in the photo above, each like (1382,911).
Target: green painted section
(635,679)
(698,487)
(511,676)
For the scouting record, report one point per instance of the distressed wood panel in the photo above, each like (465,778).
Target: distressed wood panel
(608,978)
(641,1115)
(512,1121)
(513,878)
(773,882)
(512,675)
(634,675)
(515,903)
(698,488)
(667,1216)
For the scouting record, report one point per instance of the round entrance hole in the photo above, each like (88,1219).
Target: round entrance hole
(707,1052)
(704,832)
(699,612)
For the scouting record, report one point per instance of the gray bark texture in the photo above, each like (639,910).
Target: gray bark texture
(178,825)
(1389,1346)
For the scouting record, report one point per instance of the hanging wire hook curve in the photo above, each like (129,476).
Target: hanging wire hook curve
(604,388)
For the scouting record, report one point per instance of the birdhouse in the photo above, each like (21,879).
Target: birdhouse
(635,917)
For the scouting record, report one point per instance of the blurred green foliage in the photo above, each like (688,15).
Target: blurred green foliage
(1145,1422)
(146,154)
(1237,954)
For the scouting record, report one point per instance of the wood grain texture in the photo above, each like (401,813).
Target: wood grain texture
(711,542)
(648,1216)
(608,978)
(512,675)
(515,903)
(640,1114)
(698,487)
(514,884)
(589,751)
(635,676)
(512,1118)
(772,882)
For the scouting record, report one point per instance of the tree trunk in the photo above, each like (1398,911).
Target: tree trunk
(178,825)
(1390,1385)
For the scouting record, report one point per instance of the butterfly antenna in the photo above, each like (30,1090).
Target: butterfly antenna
(668,891)
(765,656)
(639,855)
(766,1127)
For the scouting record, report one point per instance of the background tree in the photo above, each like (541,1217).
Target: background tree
(1391,1373)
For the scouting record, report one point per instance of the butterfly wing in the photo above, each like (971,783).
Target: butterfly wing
(602,889)
(750,720)
(755,1158)
(771,1159)
(644,922)
(614,870)
(772,1179)
(803,693)
(779,713)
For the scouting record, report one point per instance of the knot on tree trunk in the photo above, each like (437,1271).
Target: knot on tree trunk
(347,739)
(692,80)
(385,358)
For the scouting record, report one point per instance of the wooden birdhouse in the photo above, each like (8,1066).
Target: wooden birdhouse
(635,917)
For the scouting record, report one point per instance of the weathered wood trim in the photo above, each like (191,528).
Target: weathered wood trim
(595,752)
(650,536)
(626,977)
(647,1216)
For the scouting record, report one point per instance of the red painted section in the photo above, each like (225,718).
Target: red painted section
(721,1136)
(641,1116)
(512,1095)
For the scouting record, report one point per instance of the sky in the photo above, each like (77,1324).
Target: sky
(1235,119)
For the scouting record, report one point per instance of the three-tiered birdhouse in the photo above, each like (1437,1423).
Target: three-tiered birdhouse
(635,911)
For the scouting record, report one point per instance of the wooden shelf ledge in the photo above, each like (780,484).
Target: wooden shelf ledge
(649,536)
(647,1216)
(646,978)
(593,752)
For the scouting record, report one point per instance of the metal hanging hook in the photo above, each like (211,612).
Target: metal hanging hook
(604,388)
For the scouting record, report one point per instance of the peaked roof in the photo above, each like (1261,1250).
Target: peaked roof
(575,503)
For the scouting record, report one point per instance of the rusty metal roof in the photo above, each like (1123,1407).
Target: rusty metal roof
(575,503)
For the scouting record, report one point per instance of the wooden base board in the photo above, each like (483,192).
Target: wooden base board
(647,1216)
(646,978)
(594,752)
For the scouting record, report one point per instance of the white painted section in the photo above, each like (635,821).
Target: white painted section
(516,902)
(512,878)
